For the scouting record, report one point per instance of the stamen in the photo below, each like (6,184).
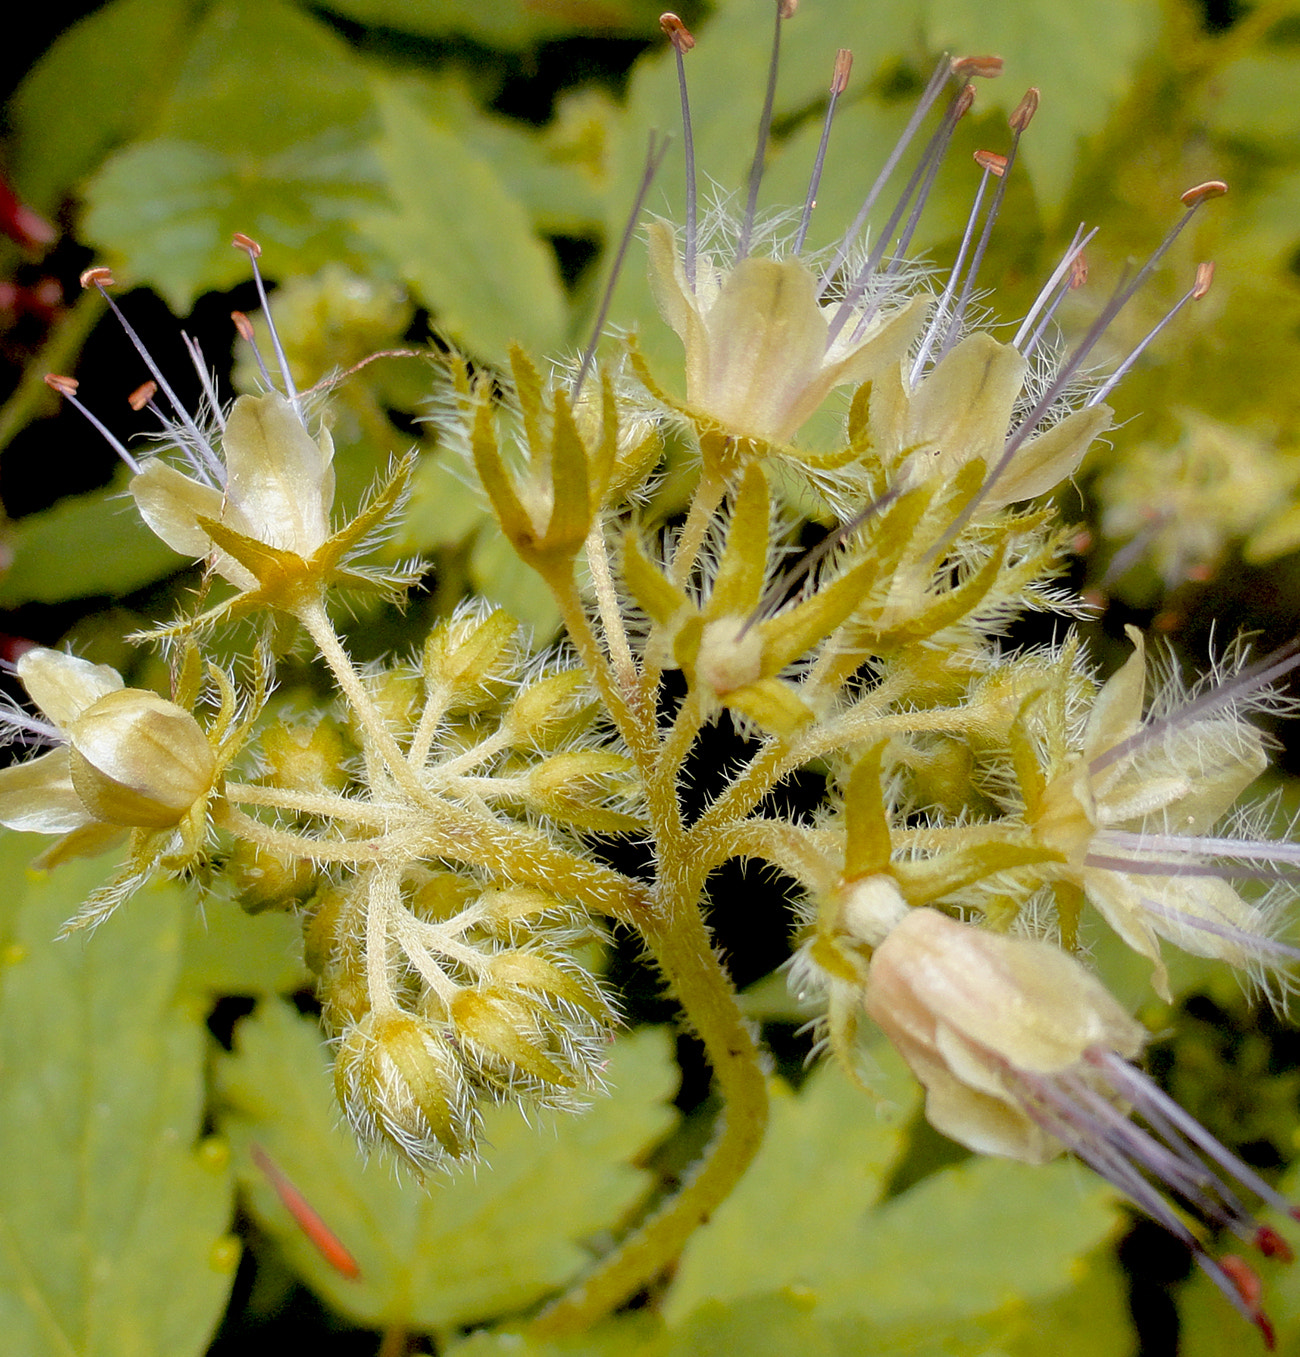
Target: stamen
(142,396)
(1249,850)
(244,329)
(1237,687)
(1071,273)
(839,83)
(784,8)
(1198,289)
(941,310)
(654,157)
(205,380)
(682,40)
(67,388)
(102,278)
(1122,295)
(1021,116)
(924,173)
(929,98)
(252,249)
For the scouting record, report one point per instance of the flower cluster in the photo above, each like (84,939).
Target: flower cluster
(432,822)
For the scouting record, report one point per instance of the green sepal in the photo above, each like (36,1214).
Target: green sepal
(867,845)
(738,586)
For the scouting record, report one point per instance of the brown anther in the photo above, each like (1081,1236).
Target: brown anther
(787,8)
(1212,188)
(246,243)
(843,69)
(676,32)
(65,386)
(1244,1279)
(1204,277)
(1023,113)
(988,67)
(142,395)
(992,162)
(964,101)
(99,275)
(1081,542)
(243,326)
(1272,1245)
(1078,270)
(1168,621)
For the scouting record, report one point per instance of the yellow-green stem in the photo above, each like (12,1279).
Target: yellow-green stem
(681,946)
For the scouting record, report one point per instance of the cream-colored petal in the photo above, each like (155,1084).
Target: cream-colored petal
(138,759)
(37,797)
(279,480)
(668,281)
(882,349)
(766,338)
(1117,712)
(963,408)
(1025,1001)
(171,504)
(1205,916)
(1117,898)
(63,685)
(1042,463)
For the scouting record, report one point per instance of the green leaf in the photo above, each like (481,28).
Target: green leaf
(801,1206)
(461,240)
(503,23)
(460,1247)
(230,952)
(116,554)
(294,172)
(92,90)
(111,1222)
(808,1216)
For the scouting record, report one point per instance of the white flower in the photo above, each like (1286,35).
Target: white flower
(1131,811)
(1023,1053)
(125,757)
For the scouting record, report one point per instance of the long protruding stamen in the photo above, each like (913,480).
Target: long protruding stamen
(205,380)
(1078,276)
(683,40)
(784,8)
(839,83)
(102,279)
(1241,850)
(67,388)
(1021,116)
(1204,278)
(1058,283)
(208,470)
(960,67)
(252,249)
(942,307)
(244,329)
(1070,369)
(923,174)
(1240,686)
(656,149)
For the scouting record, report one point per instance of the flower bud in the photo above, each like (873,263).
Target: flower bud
(551,710)
(265,880)
(138,759)
(469,659)
(305,758)
(399,1079)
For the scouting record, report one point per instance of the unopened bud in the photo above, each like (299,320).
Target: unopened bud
(138,759)
(468,659)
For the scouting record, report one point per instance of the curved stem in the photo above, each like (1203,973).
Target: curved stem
(681,945)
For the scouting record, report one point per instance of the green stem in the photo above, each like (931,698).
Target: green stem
(681,946)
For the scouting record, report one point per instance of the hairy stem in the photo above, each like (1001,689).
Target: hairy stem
(681,946)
